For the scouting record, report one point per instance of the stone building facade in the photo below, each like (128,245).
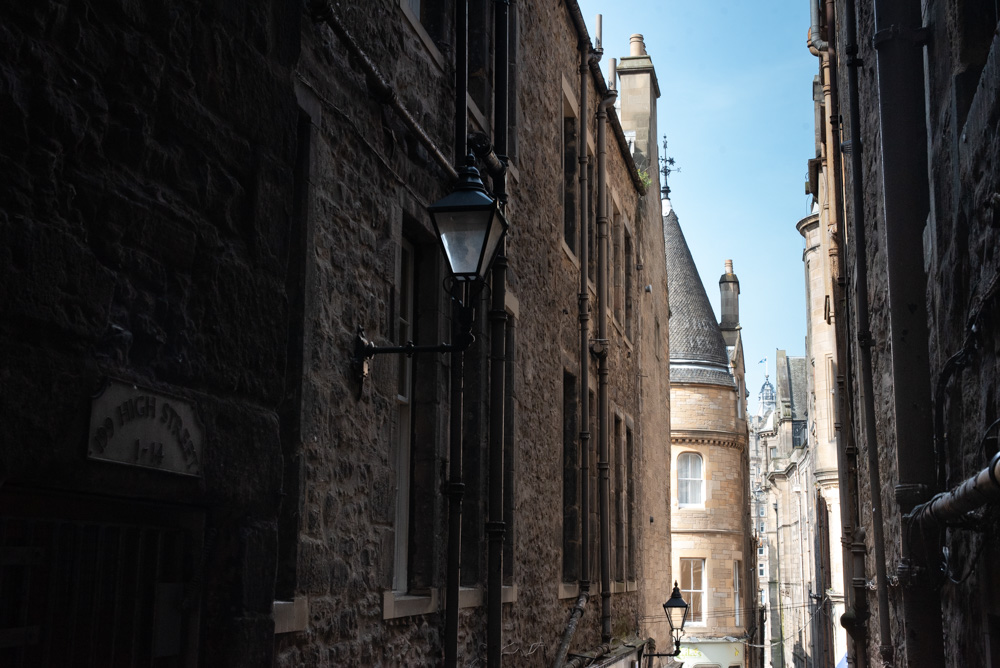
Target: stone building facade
(203,203)
(712,542)
(788,513)
(796,484)
(906,135)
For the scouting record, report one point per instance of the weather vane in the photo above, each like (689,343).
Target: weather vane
(667,167)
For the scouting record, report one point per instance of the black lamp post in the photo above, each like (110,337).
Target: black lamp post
(677,610)
(470,227)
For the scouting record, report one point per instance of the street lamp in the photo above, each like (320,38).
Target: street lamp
(470,227)
(677,610)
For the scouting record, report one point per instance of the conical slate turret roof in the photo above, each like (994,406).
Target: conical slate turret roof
(697,350)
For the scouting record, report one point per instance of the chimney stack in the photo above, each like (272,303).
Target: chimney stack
(638,91)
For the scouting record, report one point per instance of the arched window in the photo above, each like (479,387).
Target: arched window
(690,480)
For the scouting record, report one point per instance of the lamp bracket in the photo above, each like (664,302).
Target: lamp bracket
(365,349)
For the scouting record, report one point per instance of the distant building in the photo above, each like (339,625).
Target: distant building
(786,512)
(712,547)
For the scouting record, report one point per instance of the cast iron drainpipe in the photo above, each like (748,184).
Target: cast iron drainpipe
(600,349)
(495,527)
(587,53)
(952,506)
(865,340)
(456,488)
(816,45)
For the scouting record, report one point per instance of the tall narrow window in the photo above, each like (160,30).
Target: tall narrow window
(571,485)
(591,230)
(737,568)
(591,490)
(690,480)
(480,57)
(630,503)
(434,16)
(414,452)
(629,287)
(291,408)
(831,386)
(509,503)
(693,588)
(976,25)
(618,266)
(619,501)
(514,67)
(570,187)
(739,398)
(404,422)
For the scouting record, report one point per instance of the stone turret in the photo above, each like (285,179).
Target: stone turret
(697,349)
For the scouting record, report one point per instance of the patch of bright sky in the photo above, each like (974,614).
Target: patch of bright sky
(736,106)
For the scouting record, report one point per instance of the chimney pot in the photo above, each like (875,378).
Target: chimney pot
(637,47)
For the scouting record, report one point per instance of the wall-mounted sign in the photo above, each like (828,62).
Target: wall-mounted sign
(135,426)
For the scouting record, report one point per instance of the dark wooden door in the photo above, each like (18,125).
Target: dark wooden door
(96,581)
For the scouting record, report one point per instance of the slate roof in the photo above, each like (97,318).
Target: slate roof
(697,350)
(792,384)
(797,374)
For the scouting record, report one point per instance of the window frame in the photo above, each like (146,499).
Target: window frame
(701,480)
(688,592)
(737,602)
(403,329)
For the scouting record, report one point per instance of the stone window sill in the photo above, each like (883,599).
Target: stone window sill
(572,589)
(291,616)
(619,587)
(570,253)
(396,604)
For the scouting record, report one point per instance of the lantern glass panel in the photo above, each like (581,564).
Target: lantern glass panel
(463,235)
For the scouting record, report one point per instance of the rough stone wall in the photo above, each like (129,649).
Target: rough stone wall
(704,408)
(959,243)
(369,175)
(145,231)
(208,201)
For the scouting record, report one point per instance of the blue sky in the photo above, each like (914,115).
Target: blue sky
(736,106)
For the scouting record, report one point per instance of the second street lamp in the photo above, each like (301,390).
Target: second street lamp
(676,609)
